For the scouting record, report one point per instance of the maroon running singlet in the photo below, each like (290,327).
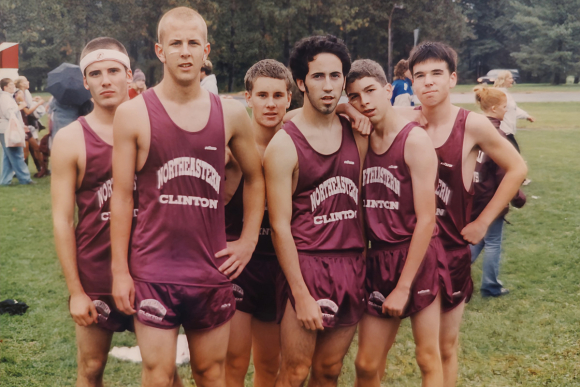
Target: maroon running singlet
(181,224)
(255,287)
(92,233)
(454,204)
(390,221)
(326,228)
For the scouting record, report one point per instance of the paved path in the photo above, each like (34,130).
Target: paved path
(556,96)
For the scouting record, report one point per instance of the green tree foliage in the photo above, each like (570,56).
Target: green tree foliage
(540,37)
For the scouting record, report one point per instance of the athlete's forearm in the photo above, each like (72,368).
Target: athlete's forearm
(254,203)
(288,257)
(121,220)
(417,249)
(66,248)
(507,189)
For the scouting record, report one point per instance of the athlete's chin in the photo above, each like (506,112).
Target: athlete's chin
(327,109)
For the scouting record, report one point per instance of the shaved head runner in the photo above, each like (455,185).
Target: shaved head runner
(173,137)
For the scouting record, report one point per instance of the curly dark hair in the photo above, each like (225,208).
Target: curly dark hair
(306,49)
(433,51)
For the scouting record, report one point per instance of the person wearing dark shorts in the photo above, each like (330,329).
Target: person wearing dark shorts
(254,330)
(82,173)
(173,139)
(312,169)
(457,135)
(398,200)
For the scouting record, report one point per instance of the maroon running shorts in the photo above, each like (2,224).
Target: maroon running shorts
(109,317)
(168,306)
(255,288)
(384,267)
(336,281)
(455,276)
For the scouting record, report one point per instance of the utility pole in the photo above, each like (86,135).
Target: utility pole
(390,49)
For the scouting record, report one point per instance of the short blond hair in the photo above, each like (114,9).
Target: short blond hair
(179,13)
(18,81)
(501,78)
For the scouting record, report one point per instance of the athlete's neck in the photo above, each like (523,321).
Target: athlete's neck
(391,122)
(102,116)
(177,92)
(439,114)
(262,134)
(314,118)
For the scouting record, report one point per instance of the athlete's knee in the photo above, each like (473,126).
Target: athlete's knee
(208,372)
(448,348)
(327,369)
(366,367)
(428,358)
(268,367)
(92,368)
(158,375)
(237,363)
(295,372)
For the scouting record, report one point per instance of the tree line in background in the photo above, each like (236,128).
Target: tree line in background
(540,38)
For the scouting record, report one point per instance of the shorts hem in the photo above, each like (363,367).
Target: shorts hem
(180,284)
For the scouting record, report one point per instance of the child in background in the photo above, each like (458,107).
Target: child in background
(487,177)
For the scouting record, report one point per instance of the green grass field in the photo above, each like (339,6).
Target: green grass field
(528,338)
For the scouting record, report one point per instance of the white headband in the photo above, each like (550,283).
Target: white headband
(104,54)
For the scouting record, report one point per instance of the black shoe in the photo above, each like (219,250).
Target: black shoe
(502,292)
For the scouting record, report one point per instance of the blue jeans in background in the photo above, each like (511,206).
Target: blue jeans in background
(490,284)
(13,163)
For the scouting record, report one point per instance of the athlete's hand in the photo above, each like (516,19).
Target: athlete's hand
(396,302)
(239,253)
(474,232)
(82,309)
(308,313)
(124,293)
(531,119)
(361,123)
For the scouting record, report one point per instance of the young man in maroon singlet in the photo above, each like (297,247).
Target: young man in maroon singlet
(82,172)
(312,170)
(254,329)
(173,137)
(399,174)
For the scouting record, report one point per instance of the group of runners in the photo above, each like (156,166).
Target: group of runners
(361,227)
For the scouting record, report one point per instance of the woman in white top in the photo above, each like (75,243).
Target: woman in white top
(13,157)
(504,81)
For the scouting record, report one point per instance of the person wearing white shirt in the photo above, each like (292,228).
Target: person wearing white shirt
(208,80)
(13,157)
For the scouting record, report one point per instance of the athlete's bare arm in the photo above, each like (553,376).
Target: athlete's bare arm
(281,171)
(241,142)
(129,153)
(421,159)
(67,149)
(486,137)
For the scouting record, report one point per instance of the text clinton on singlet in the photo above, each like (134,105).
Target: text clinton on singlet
(188,166)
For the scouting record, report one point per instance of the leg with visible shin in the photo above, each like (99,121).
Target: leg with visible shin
(158,350)
(93,344)
(449,343)
(376,336)
(208,351)
(266,352)
(331,347)
(239,349)
(297,349)
(425,325)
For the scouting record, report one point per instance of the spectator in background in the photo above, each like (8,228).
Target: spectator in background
(138,86)
(33,105)
(208,80)
(13,157)
(31,140)
(62,115)
(486,180)
(504,81)
(402,85)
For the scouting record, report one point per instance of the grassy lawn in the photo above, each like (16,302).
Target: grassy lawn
(525,88)
(528,338)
